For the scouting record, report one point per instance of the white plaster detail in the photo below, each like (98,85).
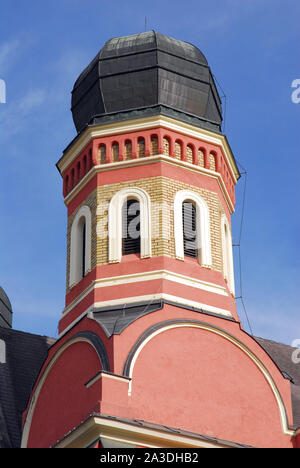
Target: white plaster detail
(202,226)
(115,222)
(228,267)
(83,216)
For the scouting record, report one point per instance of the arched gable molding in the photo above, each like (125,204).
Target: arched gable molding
(75,271)
(115,222)
(228,267)
(202,226)
(81,337)
(162,327)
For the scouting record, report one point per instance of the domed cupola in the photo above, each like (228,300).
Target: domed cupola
(143,75)
(5,310)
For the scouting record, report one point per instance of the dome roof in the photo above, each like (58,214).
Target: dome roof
(5,310)
(142,71)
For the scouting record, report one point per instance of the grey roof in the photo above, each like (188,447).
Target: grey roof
(160,427)
(281,354)
(145,70)
(24,356)
(5,310)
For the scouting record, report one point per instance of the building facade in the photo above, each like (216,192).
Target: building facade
(151,351)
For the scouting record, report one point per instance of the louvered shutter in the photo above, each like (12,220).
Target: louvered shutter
(189,230)
(131,227)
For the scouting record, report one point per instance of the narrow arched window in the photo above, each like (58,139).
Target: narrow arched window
(201,158)
(84,164)
(189,230)
(80,245)
(73,177)
(83,247)
(154,146)
(177,150)
(129,224)
(166,144)
(141,147)
(67,185)
(128,150)
(115,152)
(102,154)
(131,227)
(91,158)
(228,268)
(78,171)
(192,227)
(189,154)
(212,162)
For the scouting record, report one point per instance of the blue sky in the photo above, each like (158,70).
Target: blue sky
(252,47)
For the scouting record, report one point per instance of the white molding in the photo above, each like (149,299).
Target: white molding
(147,276)
(146,124)
(127,433)
(202,226)
(146,161)
(101,374)
(147,298)
(35,396)
(228,266)
(75,248)
(166,297)
(241,346)
(115,222)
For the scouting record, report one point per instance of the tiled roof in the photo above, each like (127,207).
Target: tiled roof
(21,359)
(282,355)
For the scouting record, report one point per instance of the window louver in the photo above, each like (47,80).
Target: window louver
(189,230)
(131,227)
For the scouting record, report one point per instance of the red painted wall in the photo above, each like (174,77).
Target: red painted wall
(198,381)
(64,401)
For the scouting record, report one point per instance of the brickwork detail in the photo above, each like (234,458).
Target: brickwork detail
(161,191)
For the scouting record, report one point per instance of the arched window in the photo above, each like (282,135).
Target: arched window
(201,157)
(85,164)
(73,178)
(128,150)
(102,154)
(191,219)
(178,151)
(80,246)
(228,268)
(154,146)
(141,147)
(189,154)
(166,144)
(131,227)
(115,152)
(121,202)
(190,243)
(78,171)
(67,185)
(212,162)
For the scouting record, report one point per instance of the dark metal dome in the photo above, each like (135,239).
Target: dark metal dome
(143,71)
(5,310)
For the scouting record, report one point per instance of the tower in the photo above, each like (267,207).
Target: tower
(150,339)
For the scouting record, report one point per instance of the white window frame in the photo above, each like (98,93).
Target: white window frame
(228,266)
(115,222)
(75,247)
(202,226)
